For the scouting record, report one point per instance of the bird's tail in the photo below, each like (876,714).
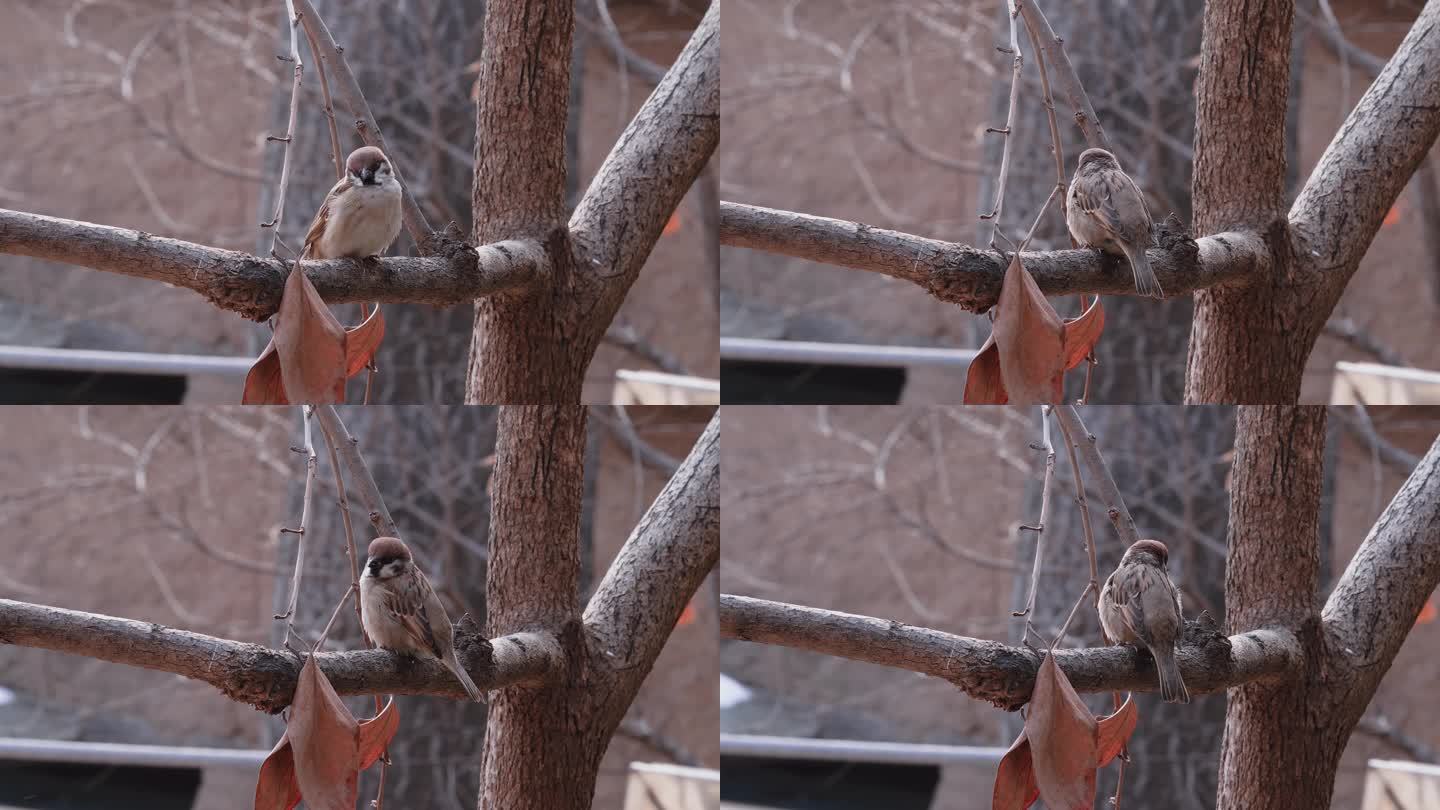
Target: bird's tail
(1172,686)
(464,677)
(1145,281)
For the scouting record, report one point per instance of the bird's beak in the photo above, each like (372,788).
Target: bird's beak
(367,176)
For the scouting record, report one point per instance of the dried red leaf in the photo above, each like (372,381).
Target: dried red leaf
(1030,347)
(361,342)
(1064,741)
(376,733)
(1031,338)
(263,385)
(326,743)
(1082,333)
(983,385)
(310,343)
(277,788)
(1015,787)
(1115,730)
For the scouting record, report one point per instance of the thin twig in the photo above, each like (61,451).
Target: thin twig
(1039,529)
(311,464)
(320,642)
(1094,585)
(1053,48)
(344,503)
(289,139)
(1116,511)
(1017,61)
(347,447)
(1048,100)
(348,89)
(329,105)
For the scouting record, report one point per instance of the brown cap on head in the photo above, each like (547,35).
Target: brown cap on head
(385,547)
(1096,154)
(1146,546)
(366,157)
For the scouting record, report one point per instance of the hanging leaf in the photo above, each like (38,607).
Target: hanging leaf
(376,733)
(1031,346)
(1031,338)
(1082,333)
(263,385)
(361,342)
(1015,787)
(311,345)
(277,788)
(983,385)
(1115,731)
(1064,741)
(326,742)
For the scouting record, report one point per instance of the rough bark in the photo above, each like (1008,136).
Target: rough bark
(543,746)
(534,744)
(1002,674)
(1283,741)
(265,678)
(1250,345)
(535,346)
(970,277)
(251,285)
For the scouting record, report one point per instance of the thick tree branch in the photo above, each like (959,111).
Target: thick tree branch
(1372,157)
(1375,603)
(971,278)
(265,678)
(251,286)
(652,166)
(670,552)
(999,673)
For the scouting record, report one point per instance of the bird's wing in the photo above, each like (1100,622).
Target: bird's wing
(1126,596)
(317,227)
(1101,198)
(408,606)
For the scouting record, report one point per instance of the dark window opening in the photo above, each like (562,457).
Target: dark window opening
(58,387)
(811,785)
(747,382)
(72,786)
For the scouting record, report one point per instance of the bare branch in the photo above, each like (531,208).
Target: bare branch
(1080,438)
(1377,149)
(971,278)
(265,678)
(999,673)
(1377,599)
(670,552)
(251,286)
(338,438)
(653,164)
(1052,49)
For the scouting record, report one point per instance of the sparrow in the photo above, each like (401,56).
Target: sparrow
(400,611)
(360,216)
(1140,605)
(1104,209)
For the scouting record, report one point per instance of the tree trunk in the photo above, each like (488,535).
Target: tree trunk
(1282,742)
